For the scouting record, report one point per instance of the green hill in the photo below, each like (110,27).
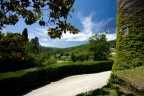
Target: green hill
(81,52)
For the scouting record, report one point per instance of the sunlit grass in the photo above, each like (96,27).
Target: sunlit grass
(134,76)
(16,73)
(134,79)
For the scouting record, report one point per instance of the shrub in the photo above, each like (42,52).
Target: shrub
(50,61)
(25,80)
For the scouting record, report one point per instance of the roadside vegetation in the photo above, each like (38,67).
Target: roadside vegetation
(25,80)
(122,83)
(25,64)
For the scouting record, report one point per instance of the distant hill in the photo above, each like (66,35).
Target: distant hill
(83,49)
(47,48)
(80,52)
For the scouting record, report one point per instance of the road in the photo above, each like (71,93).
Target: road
(73,85)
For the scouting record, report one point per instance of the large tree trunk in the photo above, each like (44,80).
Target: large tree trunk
(130,34)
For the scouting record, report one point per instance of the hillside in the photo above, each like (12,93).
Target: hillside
(80,47)
(81,52)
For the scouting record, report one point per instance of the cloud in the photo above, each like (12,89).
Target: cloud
(111,36)
(89,28)
(85,33)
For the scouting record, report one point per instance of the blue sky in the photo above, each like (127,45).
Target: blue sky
(90,17)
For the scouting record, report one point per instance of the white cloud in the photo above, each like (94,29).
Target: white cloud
(111,36)
(89,28)
(86,32)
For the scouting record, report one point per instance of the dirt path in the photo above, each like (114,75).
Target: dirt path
(72,85)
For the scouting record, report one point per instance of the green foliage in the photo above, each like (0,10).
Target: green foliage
(80,57)
(33,10)
(122,83)
(38,58)
(130,47)
(33,45)
(25,80)
(64,58)
(112,43)
(99,47)
(130,79)
(73,57)
(77,53)
(39,54)
(25,34)
(49,61)
(17,53)
(1,34)
(12,52)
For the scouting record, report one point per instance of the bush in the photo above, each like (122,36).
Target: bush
(32,78)
(50,61)
(8,64)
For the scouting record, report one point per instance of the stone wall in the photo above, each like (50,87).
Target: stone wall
(130,34)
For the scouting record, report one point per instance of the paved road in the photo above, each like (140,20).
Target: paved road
(72,85)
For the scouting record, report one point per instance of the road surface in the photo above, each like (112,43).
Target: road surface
(73,85)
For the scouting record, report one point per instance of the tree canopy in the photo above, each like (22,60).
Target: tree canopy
(25,34)
(33,10)
(99,47)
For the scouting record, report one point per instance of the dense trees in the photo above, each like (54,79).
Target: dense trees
(99,47)
(17,46)
(12,52)
(11,45)
(33,46)
(80,57)
(34,10)
(17,53)
(86,52)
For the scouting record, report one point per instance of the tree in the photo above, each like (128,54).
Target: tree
(12,52)
(34,45)
(33,10)
(25,34)
(99,47)
(1,34)
(73,57)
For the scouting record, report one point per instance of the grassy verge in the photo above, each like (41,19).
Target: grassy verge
(15,74)
(122,83)
(24,80)
(98,66)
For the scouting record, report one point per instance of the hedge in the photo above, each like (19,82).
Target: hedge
(18,83)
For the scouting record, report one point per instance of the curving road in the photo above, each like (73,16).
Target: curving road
(73,85)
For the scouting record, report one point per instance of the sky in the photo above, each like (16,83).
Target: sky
(90,17)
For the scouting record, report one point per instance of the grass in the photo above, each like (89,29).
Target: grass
(75,63)
(135,76)
(134,79)
(16,74)
(122,83)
